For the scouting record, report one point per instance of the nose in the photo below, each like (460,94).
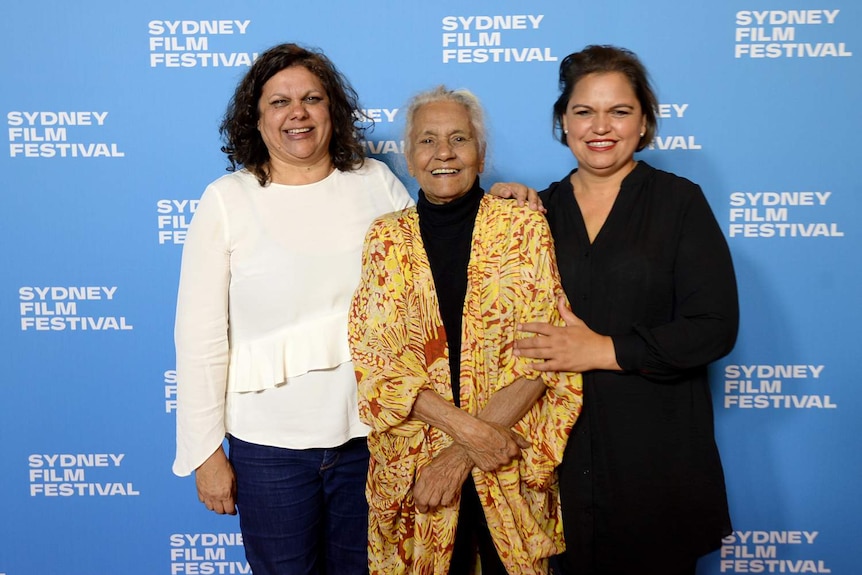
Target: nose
(297,110)
(601,124)
(443,150)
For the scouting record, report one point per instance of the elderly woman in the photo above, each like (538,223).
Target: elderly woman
(653,290)
(465,436)
(270,263)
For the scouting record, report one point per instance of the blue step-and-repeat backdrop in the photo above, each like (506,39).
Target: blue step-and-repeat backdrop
(111,112)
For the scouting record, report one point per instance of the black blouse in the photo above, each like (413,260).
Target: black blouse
(642,483)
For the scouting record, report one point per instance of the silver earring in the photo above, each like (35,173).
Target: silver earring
(642,134)
(566,132)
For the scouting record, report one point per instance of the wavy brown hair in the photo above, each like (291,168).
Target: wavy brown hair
(601,60)
(242,141)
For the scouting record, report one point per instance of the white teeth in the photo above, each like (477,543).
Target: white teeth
(440,171)
(600,144)
(299,130)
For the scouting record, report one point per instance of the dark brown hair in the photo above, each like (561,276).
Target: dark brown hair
(243,143)
(600,60)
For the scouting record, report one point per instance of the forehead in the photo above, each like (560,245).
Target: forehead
(442,117)
(295,78)
(604,84)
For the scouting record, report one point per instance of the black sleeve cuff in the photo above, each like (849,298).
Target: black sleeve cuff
(631,351)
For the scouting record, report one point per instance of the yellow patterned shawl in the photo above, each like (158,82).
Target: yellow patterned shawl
(399,349)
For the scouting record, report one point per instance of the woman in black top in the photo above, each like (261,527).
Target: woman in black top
(653,295)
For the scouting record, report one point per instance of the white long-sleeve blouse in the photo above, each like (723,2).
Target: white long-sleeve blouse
(261,328)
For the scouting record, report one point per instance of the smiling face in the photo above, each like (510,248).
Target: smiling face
(603,123)
(294,120)
(444,154)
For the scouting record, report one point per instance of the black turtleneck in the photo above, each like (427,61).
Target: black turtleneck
(447,233)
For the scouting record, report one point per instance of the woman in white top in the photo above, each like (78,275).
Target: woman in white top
(269,267)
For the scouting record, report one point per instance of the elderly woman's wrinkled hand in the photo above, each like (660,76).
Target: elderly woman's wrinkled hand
(440,481)
(490,445)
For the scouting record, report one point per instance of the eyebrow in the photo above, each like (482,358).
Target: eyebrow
(307,93)
(613,106)
(433,133)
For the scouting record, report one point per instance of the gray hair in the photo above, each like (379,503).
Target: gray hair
(442,94)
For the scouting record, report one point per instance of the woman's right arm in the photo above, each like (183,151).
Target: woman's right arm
(390,374)
(201,337)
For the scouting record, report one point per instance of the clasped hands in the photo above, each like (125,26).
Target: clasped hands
(486,445)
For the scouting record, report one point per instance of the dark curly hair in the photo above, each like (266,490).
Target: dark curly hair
(243,143)
(600,60)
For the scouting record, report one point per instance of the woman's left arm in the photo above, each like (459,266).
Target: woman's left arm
(706,314)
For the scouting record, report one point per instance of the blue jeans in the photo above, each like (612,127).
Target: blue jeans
(303,511)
